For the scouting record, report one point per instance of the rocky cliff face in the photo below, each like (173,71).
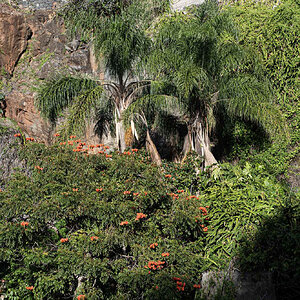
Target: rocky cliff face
(33,47)
(9,147)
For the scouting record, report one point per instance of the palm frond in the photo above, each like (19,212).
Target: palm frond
(247,97)
(58,93)
(104,118)
(81,110)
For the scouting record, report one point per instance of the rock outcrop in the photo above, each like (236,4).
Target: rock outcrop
(9,148)
(33,47)
(14,36)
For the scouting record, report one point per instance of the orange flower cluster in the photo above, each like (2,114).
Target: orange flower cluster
(124,223)
(152,246)
(155,265)
(180,284)
(72,136)
(56,134)
(197,286)
(17,135)
(135,194)
(127,153)
(24,224)
(193,197)
(168,176)
(94,238)
(30,288)
(64,240)
(165,254)
(204,210)
(75,190)
(174,196)
(140,216)
(180,191)
(30,139)
(81,297)
(39,168)
(99,190)
(127,192)
(134,150)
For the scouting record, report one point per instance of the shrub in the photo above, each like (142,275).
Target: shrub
(120,227)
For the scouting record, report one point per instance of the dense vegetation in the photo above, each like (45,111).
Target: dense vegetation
(86,222)
(115,226)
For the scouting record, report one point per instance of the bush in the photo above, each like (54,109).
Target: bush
(64,230)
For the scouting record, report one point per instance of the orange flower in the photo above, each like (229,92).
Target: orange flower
(17,135)
(108,155)
(197,286)
(81,297)
(94,238)
(30,288)
(176,278)
(39,168)
(168,176)
(124,223)
(154,265)
(180,191)
(140,216)
(106,147)
(24,224)
(56,134)
(64,240)
(72,136)
(152,246)
(99,190)
(205,229)
(127,192)
(135,194)
(134,150)
(100,152)
(30,139)
(204,210)
(165,254)
(75,190)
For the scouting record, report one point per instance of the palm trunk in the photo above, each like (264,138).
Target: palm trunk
(120,132)
(203,148)
(187,145)
(151,148)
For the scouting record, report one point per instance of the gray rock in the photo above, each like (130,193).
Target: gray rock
(182,4)
(9,145)
(237,285)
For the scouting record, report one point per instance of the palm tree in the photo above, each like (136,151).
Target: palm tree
(202,69)
(117,31)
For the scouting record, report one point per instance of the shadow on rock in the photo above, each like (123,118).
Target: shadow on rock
(275,248)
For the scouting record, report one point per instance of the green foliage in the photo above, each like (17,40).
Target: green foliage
(272,31)
(262,252)
(200,60)
(60,200)
(58,93)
